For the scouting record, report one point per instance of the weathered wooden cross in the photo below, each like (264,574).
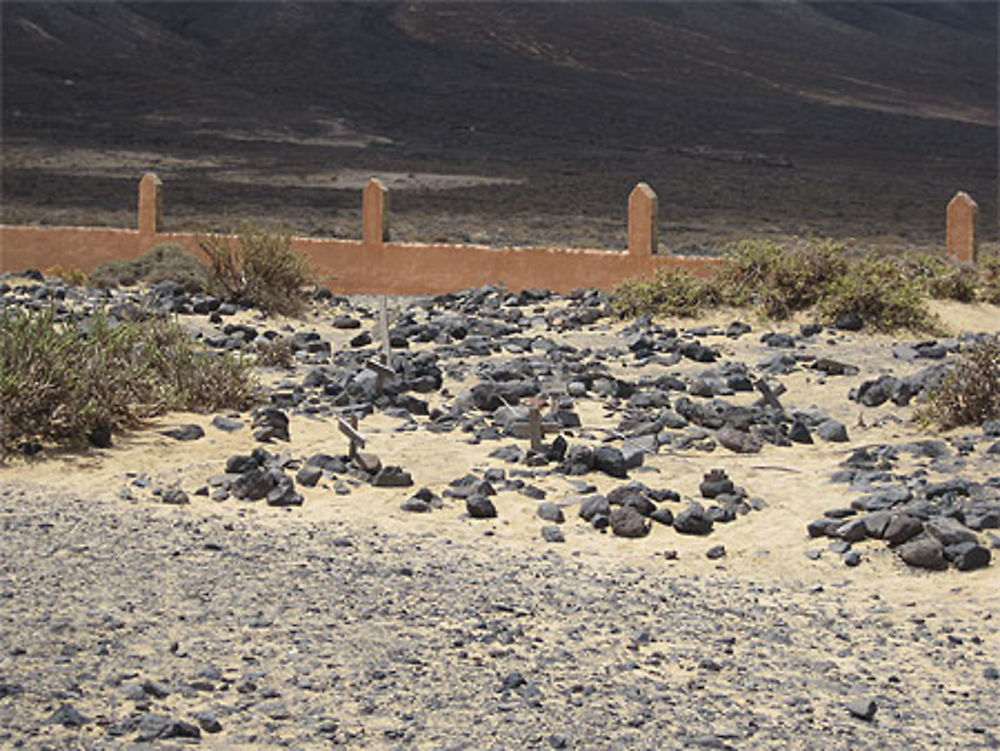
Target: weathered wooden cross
(770,396)
(349,427)
(535,429)
(381,366)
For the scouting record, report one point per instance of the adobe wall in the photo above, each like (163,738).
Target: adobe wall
(70,247)
(376,264)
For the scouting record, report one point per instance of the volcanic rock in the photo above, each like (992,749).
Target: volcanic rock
(480,507)
(923,551)
(627,522)
(693,521)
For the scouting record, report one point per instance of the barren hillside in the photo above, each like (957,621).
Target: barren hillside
(855,119)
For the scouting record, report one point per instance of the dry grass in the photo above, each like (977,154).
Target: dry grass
(274,353)
(62,382)
(166,261)
(778,280)
(258,267)
(970,394)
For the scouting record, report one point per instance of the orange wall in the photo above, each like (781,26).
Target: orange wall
(70,247)
(348,266)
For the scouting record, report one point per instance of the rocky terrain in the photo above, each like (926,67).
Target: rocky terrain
(724,533)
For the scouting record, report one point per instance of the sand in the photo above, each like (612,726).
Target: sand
(765,559)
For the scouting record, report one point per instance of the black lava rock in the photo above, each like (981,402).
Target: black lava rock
(715,483)
(552,533)
(923,551)
(611,461)
(185,433)
(551,512)
(480,507)
(627,522)
(693,521)
(593,505)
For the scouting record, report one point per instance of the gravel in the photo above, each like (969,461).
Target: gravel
(123,623)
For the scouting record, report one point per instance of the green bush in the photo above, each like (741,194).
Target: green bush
(942,278)
(970,394)
(260,268)
(780,280)
(670,292)
(882,292)
(165,261)
(60,382)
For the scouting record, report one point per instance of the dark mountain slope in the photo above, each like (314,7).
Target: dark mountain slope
(892,99)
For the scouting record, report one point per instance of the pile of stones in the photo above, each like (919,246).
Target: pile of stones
(928,524)
(505,342)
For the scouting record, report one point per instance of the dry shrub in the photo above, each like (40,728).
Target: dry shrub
(882,292)
(275,353)
(779,279)
(942,278)
(62,381)
(73,276)
(258,267)
(670,292)
(970,394)
(990,289)
(165,261)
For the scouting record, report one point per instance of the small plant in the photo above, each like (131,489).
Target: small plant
(969,394)
(990,288)
(275,353)
(670,292)
(74,277)
(880,291)
(165,261)
(60,381)
(260,268)
(942,278)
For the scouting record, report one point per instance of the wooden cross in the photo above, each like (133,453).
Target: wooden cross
(771,395)
(383,322)
(381,366)
(382,371)
(535,429)
(349,427)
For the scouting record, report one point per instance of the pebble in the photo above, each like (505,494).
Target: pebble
(552,533)
(862,708)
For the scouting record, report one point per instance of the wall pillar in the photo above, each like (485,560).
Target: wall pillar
(642,220)
(375,214)
(960,228)
(150,209)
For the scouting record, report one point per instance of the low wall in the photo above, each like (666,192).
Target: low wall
(376,265)
(70,247)
(347,266)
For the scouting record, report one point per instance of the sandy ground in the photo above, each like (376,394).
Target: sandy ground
(860,615)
